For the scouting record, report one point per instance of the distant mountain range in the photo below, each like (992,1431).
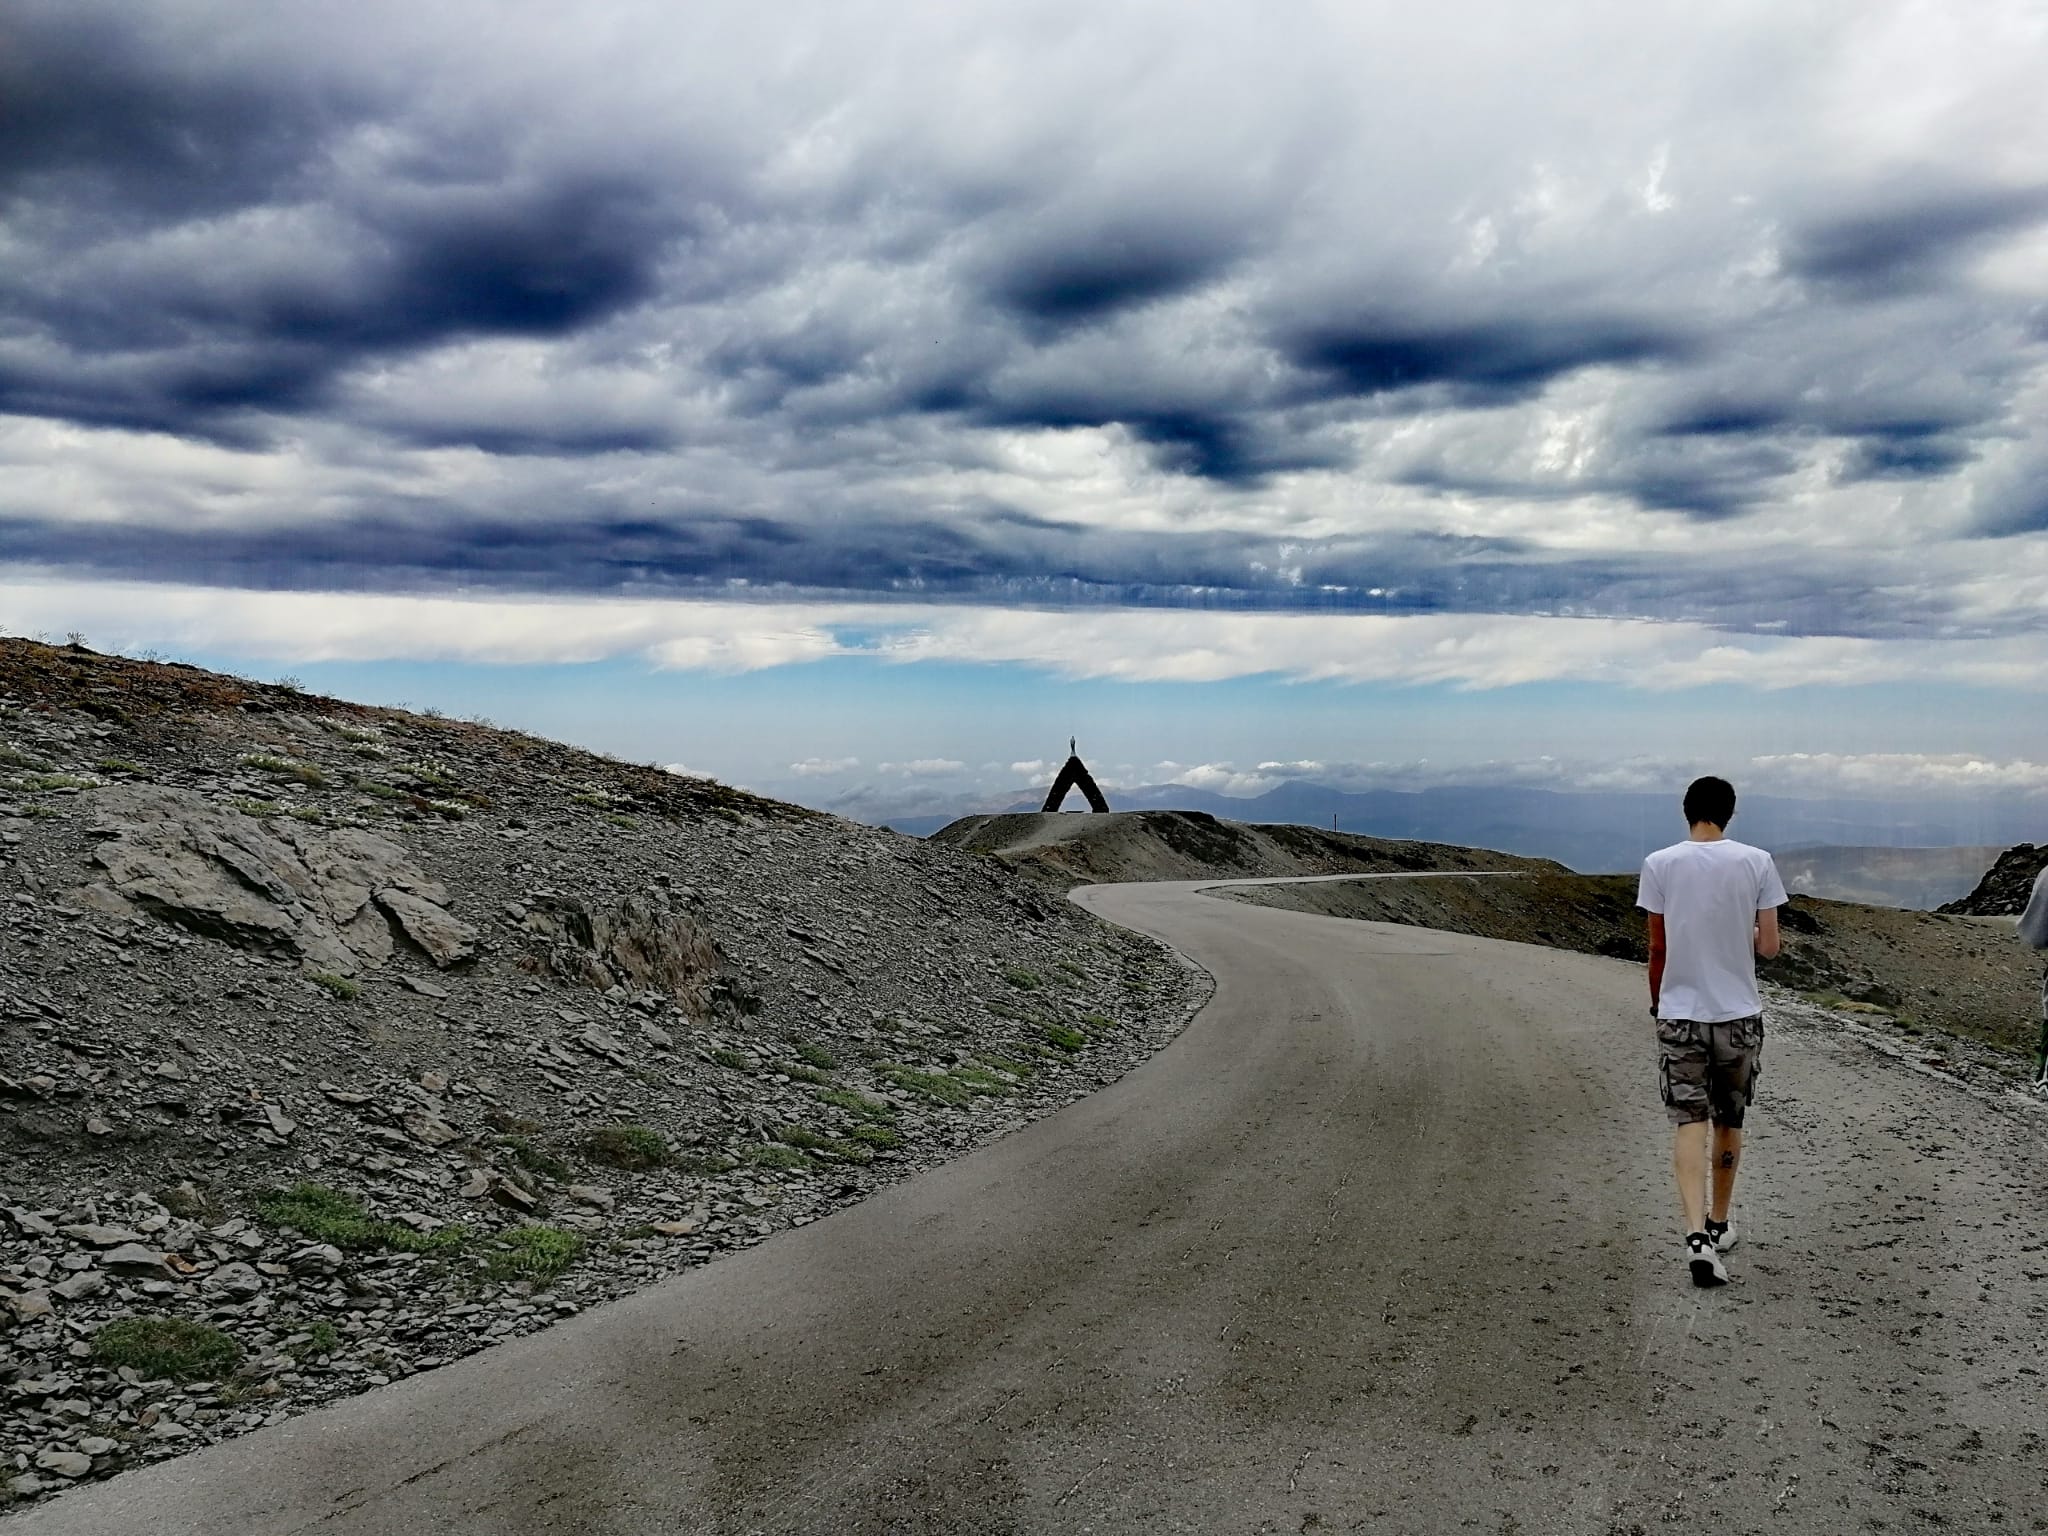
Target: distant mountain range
(1598,832)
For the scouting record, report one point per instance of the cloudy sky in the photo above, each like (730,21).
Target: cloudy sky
(847,397)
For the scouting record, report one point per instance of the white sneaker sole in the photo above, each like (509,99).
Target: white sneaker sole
(1707,1269)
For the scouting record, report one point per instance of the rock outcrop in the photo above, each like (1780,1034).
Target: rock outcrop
(639,944)
(340,900)
(2006,884)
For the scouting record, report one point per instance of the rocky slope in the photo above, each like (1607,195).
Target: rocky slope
(2006,885)
(337,1042)
(1070,849)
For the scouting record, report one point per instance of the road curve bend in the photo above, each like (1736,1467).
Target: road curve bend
(1382,1242)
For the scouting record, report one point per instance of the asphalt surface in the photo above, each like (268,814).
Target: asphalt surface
(1383,1242)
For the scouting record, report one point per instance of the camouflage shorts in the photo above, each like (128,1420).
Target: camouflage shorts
(1708,1071)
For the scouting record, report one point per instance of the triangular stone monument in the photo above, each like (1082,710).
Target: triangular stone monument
(1074,775)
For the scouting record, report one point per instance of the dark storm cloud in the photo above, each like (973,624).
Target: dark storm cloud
(1481,361)
(1922,457)
(879,301)
(138,126)
(1909,240)
(1001,556)
(1096,272)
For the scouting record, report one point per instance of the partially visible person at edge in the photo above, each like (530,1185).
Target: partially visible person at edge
(1713,905)
(2034,931)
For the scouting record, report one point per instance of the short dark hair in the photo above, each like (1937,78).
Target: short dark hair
(1709,799)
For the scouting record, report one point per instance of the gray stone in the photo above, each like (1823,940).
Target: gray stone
(100,1237)
(64,1463)
(236,1280)
(446,939)
(29,1223)
(429,1128)
(80,1286)
(134,1259)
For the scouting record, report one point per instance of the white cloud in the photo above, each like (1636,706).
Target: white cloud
(1887,773)
(1468,651)
(925,768)
(823,767)
(1034,768)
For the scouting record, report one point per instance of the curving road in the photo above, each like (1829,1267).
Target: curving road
(1381,1243)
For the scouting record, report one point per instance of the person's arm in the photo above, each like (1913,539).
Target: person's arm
(2033,928)
(1770,896)
(1656,958)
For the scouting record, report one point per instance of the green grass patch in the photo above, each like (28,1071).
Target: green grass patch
(377,791)
(308,774)
(1073,970)
(328,1216)
(47,781)
(1064,1038)
(858,1104)
(817,1056)
(771,1155)
(600,801)
(739,1061)
(936,1086)
(337,986)
(540,1160)
(803,1136)
(118,765)
(618,820)
(632,1147)
(1099,1022)
(535,1254)
(322,1338)
(1021,979)
(981,1080)
(883,1136)
(809,1075)
(14,757)
(1010,1065)
(262,810)
(160,1347)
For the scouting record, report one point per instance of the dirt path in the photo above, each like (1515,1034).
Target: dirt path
(1381,1243)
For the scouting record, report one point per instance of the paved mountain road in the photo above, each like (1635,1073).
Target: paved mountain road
(1383,1242)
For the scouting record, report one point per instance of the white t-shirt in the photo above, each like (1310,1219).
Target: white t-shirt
(1710,894)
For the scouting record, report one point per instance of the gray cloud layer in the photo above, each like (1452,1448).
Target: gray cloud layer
(1303,307)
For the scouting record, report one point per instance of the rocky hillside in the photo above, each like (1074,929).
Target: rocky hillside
(2006,885)
(1072,849)
(337,1042)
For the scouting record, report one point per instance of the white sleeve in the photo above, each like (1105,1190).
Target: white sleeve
(1650,889)
(1770,889)
(2034,921)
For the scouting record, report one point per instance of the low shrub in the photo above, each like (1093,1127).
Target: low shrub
(632,1147)
(535,1254)
(166,1347)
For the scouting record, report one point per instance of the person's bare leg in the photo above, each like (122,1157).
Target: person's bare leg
(1689,1162)
(1727,1152)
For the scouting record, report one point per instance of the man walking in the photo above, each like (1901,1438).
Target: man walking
(1713,905)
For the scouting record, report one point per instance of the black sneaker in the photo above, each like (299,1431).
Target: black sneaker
(1722,1232)
(1704,1260)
